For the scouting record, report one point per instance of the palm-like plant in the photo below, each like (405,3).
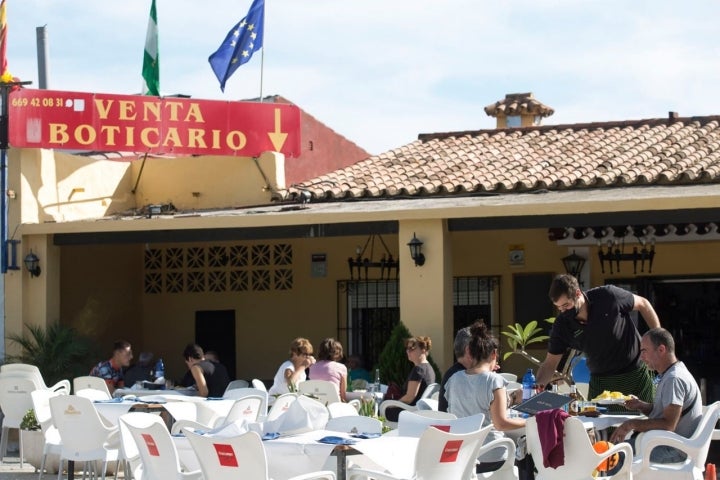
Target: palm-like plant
(59,351)
(519,337)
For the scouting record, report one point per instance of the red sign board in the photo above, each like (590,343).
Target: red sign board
(134,123)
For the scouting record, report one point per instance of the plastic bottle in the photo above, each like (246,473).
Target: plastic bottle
(159,369)
(528,384)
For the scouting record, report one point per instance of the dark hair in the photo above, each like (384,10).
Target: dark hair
(330,349)
(483,343)
(193,350)
(563,285)
(423,342)
(659,336)
(121,345)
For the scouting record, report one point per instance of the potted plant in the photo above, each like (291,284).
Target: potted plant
(519,337)
(33,440)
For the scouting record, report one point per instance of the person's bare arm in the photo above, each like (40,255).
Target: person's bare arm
(498,412)
(343,388)
(668,421)
(547,369)
(647,311)
(293,376)
(200,382)
(110,385)
(413,388)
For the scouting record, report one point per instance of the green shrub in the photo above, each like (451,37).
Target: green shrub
(393,362)
(60,352)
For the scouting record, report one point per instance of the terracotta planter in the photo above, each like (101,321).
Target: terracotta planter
(33,443)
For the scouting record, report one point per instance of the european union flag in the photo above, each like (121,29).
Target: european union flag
(241,42)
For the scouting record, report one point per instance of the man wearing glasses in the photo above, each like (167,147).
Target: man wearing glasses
(598,323)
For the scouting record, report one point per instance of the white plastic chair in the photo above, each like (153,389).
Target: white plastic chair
(238,393)
(439,456)
(324,391)
(413,424)
(33,372)
(580,456)
(247,409)
(15,401)
(510,377)
(129,453)
(508,470)
(157,451)
(430,390)
(341,409)
(83,434)
(43,415)
(259,384)
(92,394)
(281,405)
(696,448)
(354,424)
(242,456)
(91,383)
(236,384)
(201,415)
(427,404)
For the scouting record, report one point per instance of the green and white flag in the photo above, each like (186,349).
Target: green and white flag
(151,61)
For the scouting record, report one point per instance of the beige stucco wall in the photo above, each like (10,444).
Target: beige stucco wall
(102,292)
(99,288)
(54,186)
(209,181)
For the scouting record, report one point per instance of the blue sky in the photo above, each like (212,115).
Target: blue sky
(380,72)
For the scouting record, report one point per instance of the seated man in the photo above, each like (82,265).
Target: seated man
(112,370)
(677,406)
(142,371)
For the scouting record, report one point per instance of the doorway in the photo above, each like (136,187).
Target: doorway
(690,310)
(215,330)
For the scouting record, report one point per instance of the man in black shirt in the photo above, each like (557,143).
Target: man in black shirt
(598,323)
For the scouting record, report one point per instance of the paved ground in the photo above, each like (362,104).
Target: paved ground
(10,470)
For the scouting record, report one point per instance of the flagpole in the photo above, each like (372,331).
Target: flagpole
(262,62)
(262,55)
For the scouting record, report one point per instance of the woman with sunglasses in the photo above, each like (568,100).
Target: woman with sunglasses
(420,377)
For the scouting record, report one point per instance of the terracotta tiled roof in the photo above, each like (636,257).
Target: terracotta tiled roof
(671,151)
(519,104)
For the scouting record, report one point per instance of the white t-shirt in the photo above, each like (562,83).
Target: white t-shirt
(280,385)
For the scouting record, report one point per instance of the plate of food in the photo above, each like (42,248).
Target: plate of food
(610,401)
(611,398)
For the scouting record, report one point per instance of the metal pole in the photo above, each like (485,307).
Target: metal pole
(42,56)
(4,90)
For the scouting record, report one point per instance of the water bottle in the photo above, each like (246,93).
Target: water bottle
(528,384)
(159,369)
